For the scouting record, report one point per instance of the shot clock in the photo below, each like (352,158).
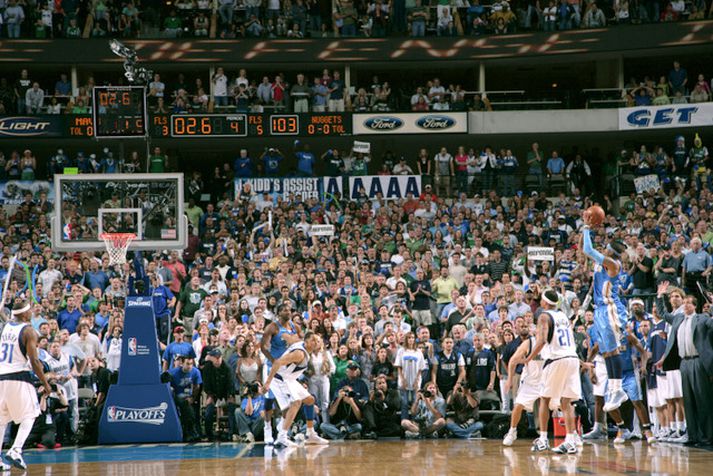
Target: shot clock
(253,125)
(119,111)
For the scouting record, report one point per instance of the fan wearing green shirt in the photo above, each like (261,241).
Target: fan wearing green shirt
(157,161)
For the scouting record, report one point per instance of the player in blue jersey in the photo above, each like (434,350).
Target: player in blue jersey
(610,314)
(277,337)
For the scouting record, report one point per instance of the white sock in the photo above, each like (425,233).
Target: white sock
(22,433)
(597,426)
(569,438)
(3,429)
(543,435)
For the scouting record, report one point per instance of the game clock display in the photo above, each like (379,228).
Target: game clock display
(119,111)
(251,125)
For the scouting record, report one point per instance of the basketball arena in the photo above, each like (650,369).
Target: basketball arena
(384,237)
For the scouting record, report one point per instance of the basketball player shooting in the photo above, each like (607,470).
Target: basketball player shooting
(610,313)
(18,397)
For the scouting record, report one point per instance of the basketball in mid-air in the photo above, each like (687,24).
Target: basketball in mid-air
(596,215)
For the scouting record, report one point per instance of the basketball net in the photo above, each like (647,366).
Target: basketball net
(117,245)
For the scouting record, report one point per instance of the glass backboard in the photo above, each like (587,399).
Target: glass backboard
(148,205)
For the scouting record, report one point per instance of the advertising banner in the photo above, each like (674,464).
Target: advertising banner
(433,122)
(665,117)
(391,187)
(300,188)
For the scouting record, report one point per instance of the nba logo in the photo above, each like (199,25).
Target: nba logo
(132,345)
(111,413)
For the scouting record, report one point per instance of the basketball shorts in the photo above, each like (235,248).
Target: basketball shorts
(610,324)
(560,379)
(528,393)
(287,391)
(657,396)
(672,384)
(18,401)
(600,370)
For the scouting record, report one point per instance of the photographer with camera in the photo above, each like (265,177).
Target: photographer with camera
(250,417)
(218,387)
(345,416)
(427,414)
(345,412)
(464,424)
(382,412)
(52,426)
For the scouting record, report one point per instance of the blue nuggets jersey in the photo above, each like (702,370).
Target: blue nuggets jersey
(606,290)
(610,314)
(278,346)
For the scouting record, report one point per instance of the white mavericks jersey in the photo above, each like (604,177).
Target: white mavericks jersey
(13,358)
(294,371)
(560,342)
(533,369)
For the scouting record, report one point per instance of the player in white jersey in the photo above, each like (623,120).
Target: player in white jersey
(289,392)
(18,397)
(560,376)
(530,389)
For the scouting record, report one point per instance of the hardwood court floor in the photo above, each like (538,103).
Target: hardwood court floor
(369,458)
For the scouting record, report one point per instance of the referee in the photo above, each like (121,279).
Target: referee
(697,266)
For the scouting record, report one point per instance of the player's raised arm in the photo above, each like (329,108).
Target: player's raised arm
(608,263)
(587,247)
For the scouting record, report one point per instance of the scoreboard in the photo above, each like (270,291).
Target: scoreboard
(119,112)
(250,125)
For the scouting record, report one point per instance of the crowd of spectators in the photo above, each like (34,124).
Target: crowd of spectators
(310,92)
(674,88)
(420,302)
(308,18)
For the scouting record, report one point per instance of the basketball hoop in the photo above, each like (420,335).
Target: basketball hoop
(116,245)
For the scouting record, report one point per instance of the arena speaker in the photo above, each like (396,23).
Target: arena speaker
(139,408)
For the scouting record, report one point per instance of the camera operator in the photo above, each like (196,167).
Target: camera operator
(427,414)
(52,426)
(249,418)
(345,416)
(218,387)
(382,412)
(464,423)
